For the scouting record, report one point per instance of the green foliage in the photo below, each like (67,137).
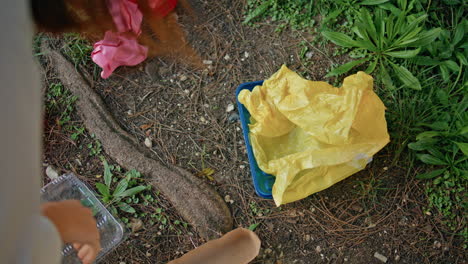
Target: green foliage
(128,196)
(258,211)
(450,51)
(118,196)
(61,103)
(294,13)
(443,145)
(385,39)
(77,49)
(94,147)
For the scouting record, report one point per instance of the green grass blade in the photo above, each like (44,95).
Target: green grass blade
(373,2)
(462,58)
(431,160)
(260,10)
(133,191)
(368,24)
(451,65)
(126,208)
(430,175)
(463,147)
(371,66)
(387,81)
(346,67)
(426,37)
(403,54)
(107,173)
(425,61)
(340,39)
(406,77)
(459,33)
(103,190)
(121,187)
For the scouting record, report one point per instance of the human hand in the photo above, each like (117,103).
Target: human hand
(75,224)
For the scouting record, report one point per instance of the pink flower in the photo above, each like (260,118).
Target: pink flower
(117,49)
(126,15)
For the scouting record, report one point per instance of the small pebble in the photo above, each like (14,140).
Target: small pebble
(268,251)
(380,257)
(233,117)
(246,54)
(207,62)
(229,108)
(148,254)
(227,57)
(148,142)
(51,172)
(318,249)
(227,198)
(437,244)
(309,54)
(307,238)
(202,119)
(183,78)
(242,166)
(186,91)
(397,257)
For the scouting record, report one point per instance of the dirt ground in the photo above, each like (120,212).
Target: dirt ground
(381,209)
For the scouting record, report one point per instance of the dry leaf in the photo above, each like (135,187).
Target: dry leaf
(207,172)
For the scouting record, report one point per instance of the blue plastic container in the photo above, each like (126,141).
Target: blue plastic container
(263,182)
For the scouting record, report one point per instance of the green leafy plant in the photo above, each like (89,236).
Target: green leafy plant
(95,147)
(297,14)
(60,102)
(120,194)
(384,39)
(77,49)
(449,53)
(443,145)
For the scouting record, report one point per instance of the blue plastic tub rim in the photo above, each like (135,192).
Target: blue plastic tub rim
(263,182)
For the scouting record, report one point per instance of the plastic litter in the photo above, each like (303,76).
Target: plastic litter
(121,48)
(68,187)
(311,135)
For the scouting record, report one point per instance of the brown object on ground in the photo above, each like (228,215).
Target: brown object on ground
(236,247)
(195,200)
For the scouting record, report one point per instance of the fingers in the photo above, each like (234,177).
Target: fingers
(77,246)
(87,254)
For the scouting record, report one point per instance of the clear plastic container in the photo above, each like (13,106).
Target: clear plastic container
(69,187)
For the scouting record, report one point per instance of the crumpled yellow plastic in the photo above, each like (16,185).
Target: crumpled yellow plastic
(311,135)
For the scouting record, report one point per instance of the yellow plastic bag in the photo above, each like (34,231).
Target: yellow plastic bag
(311,135)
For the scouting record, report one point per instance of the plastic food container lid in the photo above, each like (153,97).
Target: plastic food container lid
(69,187)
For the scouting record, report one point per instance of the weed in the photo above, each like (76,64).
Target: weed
(95,147)
(77,49)
(383,40)
(123,193)
(258,211)
(61,103)
(127,196)
(296,14)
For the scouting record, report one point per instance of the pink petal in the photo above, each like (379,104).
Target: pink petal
(117,49)
(126,15)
